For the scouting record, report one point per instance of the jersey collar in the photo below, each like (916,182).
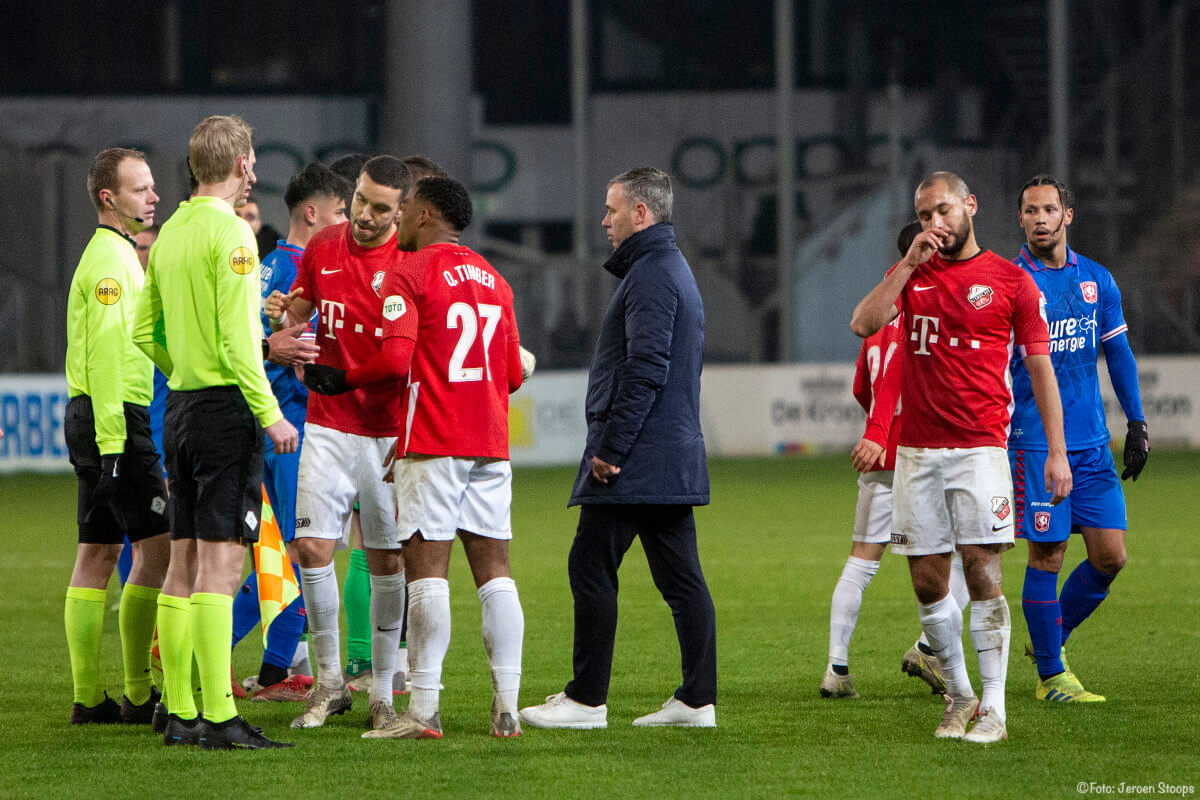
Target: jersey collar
(1027,260)
(129,239)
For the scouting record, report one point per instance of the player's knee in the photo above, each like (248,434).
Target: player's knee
(1110,562)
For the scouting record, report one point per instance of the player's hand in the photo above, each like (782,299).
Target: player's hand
(924,245)
(389,462)
(528,364)
(287,349)
(867,455)
(1137,449)
(110,476)
(1058,477)
(284,437)
(278,303)
(326,380)
(603,471)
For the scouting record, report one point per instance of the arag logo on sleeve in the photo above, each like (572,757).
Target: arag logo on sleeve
(241,261)
(108,291)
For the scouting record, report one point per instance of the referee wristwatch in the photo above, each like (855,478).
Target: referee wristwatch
(266,348)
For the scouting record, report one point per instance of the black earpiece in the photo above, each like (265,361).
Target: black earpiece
(113,205)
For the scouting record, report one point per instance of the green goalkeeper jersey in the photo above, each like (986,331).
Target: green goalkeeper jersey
(198,317)
(102,361)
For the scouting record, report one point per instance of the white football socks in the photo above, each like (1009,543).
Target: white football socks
(322,603)
(847,600)
(991,629)
(428,638)
(958,583)
(942,622)
(387,617)
(503,634)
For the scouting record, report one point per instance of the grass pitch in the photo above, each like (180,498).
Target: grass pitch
(772,544)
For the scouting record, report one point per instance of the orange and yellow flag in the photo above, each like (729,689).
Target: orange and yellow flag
(277,586)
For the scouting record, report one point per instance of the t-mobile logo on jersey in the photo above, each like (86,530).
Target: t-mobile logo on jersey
(925,337)
(332,317)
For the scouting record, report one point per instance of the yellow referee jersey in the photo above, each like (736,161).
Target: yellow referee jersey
(198,317)
(102,361)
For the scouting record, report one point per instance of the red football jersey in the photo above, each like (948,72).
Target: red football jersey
(963,319)
(460,312)
(877,379)
(344,280)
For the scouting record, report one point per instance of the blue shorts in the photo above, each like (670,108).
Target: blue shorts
(1096,500)
(280,475)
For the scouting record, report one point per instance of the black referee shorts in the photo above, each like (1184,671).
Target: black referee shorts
(214,464)
(138,507)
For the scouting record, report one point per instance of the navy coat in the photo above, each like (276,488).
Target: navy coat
(643,395)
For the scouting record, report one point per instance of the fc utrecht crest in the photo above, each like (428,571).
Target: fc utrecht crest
(1041,521)
(979,295)
(377,282)
(1001,507)
(1090,293)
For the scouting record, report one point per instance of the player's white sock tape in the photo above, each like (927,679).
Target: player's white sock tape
(322,602)
(429,638)
(991,630)
(387,618)
(503,635)
(847,600)
(942,622)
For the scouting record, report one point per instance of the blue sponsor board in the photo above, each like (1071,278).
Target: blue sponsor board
(31,418)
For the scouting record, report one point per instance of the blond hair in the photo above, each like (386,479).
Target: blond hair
(215,146)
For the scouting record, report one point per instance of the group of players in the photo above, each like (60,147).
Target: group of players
(985,424)
(416,350)
(968,365)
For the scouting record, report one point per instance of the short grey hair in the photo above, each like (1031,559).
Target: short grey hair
(650,186)
(957,186)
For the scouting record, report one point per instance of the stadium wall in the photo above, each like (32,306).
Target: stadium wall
(748,411)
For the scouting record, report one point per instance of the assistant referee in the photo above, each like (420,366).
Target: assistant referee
(198,320)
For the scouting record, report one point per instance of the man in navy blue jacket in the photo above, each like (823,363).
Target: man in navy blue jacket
(644,465)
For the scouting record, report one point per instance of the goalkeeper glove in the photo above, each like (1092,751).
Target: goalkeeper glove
(1137,449)
(325,380)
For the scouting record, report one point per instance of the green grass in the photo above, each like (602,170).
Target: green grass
(772,543)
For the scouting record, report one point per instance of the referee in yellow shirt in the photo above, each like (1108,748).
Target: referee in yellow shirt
(198,319)
(107,431)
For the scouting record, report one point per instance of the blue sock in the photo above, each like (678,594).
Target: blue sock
(125,562)
(285,631)
(1081,594)
(1043,615)
(245,608)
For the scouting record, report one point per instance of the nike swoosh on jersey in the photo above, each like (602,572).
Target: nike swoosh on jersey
(1000,527)
(330,271)
(923,288)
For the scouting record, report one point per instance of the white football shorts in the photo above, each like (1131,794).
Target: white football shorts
(439,495)
(337,468)
(943,498)
(873,513)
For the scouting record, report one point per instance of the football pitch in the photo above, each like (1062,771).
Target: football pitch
(772,543)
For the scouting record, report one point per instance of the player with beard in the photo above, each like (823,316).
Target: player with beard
(1083,307)
(965,308)
(450,327)
(346,439)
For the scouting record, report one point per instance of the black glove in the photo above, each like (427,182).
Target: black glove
(1137,449)
(325,380)
(110,475)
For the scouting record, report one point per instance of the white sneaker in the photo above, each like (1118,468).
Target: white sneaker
(560,711)
(959,711)
(679,714)
(988,729)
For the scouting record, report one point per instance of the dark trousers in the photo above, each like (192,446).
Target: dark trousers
(668,535)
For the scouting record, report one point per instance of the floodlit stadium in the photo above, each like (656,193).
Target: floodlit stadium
(868,406)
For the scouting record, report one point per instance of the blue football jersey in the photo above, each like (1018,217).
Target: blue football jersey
(1083,310)
(278,271)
